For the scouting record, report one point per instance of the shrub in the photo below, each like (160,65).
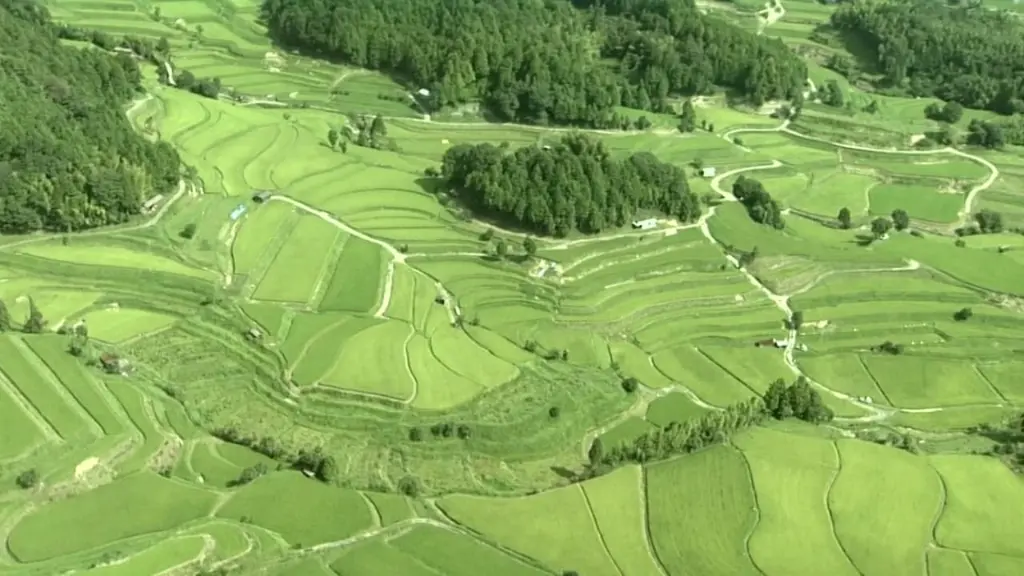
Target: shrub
(963,314)
(630,384)
(188,232)
(554,411)
(27,479)
(410,486)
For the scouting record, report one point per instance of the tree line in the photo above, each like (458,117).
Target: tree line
(321,465)
(780,401)
(965,54)
(572,185)
(69,158)
(542,62)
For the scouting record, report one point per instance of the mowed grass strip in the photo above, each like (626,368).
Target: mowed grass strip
(983,501)
(142,503)
(119,324)
(303,511)
(214,470)
(439,387)
(673,407)
(687,366)
(18,432)
(921,202)
(792,476)
(617,503)
(52,350)
(462,355)
(372,360)
(134,404)
(883,503)
(357,277)
(322,353)
(454,554)
(155,560)
(297,267)
(375,558)
(561,535)
(700,509)
(261,227)
(111,256)
(43,396)
(924,382)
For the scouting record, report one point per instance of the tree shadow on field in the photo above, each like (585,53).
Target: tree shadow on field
(430,185)
(565,473)
(864,239)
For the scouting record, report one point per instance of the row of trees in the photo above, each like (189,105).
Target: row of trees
(970,55)
(762,208)
(34,324)
(536,62)
(69,159)
(323,466)
(572,185)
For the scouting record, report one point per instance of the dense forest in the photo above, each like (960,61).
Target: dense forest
(572,185)
(69,158)
(543,61)
(970,55)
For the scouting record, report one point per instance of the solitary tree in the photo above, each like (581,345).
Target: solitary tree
(796,320)
(378,129)
(530,246)
(27,479)
(332,137)
(5,317)
(880,226)
(630,384)
(35,322)
(162,45)
(900,219)
(188,232)
(844,218)
(963,314)
(327,469)
(501,248)
(596,453)
(687,118)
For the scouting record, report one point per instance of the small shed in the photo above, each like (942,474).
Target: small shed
(254,334)
(423,92)
(708,172)
(646,224)
(150,204)
(113,363)
(261,196)
(237,212)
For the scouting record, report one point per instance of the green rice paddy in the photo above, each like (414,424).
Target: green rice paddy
(378,321)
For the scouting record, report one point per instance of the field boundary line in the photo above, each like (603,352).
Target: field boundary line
(309,343)
(828,507)
(864,366)
(678,387)
(726,370)
(328,267)
(645,510)
(408,366)
(995,390)
(757,508)
(48,377)
(940,509)
(597,528)
(378,520)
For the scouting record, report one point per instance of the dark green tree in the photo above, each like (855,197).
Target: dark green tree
(5,318)
(844,218)
(596,453)
(327,470)
(188,232)
(529,246)
(27,479)
(989,221)
(796,319)
(687,117)
(501,248)
(900,219)
(378,129)
(332,137)
(880,226)
(35,323)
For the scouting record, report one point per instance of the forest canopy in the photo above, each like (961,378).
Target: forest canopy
(69,158)
(543,61)
(970,55)
(572,185)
